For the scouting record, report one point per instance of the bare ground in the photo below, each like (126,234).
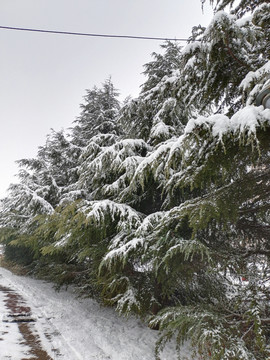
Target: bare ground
(18,312)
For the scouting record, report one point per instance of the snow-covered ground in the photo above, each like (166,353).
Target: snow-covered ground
(72,328)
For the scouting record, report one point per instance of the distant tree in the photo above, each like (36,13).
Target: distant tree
(43,179)
(98,115)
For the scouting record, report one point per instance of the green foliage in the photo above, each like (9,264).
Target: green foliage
(214,332)
(19,253)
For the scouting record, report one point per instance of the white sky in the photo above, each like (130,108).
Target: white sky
(43,77)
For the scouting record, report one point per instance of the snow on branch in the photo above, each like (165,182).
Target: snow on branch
(96,211)
(247,119)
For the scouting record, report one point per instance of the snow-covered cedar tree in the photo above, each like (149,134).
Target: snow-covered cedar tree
(173,217)
(43,181)
(213,252)
(50,179)
(206,255)
(98,114)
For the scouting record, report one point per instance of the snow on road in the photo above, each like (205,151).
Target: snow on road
(72,328)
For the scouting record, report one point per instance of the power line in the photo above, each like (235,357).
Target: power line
(92,35)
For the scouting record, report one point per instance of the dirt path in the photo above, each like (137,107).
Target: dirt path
(18,313)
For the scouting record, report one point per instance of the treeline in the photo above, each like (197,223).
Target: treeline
(160,206)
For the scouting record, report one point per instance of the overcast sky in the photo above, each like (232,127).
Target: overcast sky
(43,77)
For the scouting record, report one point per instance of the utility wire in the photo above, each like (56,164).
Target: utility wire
(92,35)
